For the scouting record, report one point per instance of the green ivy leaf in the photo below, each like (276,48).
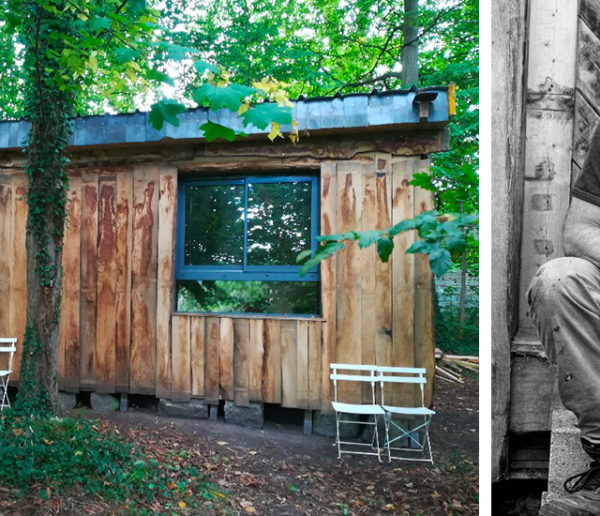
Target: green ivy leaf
(303,255)
(385,246)
(262,115)
(439,261)
(229,97)
(213,131)
(367,238)
(323,251)
(202,66)
(125,54)
(97,23)
(165,111)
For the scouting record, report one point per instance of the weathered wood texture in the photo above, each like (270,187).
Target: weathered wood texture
(119,332)
(508,144)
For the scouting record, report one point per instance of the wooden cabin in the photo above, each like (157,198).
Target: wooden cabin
(159,221)
(546,104)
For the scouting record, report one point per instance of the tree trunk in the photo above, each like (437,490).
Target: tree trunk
(48,108)
(410,50)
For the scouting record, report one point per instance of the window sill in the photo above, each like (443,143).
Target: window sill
(312,318)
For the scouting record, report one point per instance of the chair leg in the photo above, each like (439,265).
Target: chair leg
(337,434)
(376,432)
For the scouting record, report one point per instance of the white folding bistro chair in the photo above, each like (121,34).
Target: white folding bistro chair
(7,351)
(411,423)
(356,373)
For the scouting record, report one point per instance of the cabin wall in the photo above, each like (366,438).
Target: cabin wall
(119,331)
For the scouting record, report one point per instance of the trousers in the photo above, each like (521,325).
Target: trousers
(564,303)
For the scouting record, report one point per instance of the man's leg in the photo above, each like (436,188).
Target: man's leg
(564,301)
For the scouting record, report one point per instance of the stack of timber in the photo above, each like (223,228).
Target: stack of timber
(452,367)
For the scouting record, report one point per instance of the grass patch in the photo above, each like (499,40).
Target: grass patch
(55,455)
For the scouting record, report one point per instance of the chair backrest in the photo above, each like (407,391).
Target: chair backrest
(355,373)
(8,346)
(408,375)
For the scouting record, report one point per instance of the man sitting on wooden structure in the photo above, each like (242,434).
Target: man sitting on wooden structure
(564,300)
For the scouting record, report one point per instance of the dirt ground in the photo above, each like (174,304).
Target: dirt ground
(278,470)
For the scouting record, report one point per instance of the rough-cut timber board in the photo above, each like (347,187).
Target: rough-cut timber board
(197,336)
(89,278)
(508,143)
(271,387)
(226,338)
(182,374)
(144,271)
(256,356)
(368,268)
(424,341)
(124,242)
(18,276)
(532,382)
(6,253)
(403,297)
(289,365)
(315,343)
(167,209)
(241,361)
(348,292)
(328,280)
(382,298)
(69,312)
(211,371)
(106,287)
(302,364)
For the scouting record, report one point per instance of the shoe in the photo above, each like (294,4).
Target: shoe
(583,498)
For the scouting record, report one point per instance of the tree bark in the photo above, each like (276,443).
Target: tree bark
(410,50)
(48,107)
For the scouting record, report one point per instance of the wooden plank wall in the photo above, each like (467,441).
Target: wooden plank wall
(247,359)
(381,313)
(119,333)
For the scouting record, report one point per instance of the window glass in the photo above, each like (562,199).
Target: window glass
(279,222)
(214,225)
(262,297)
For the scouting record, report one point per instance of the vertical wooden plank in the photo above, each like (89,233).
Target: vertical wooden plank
(368,268)
(69,312)
(6,254)
(226,359)
(89,277)
(18,276)
(289,366)
(211,363)
(271,387)
(348,262)
(402,277)
(106,287)
(256,354)
(241,361)
(302,364)
(197,352)
(144,271)
(182,372)
(328,280)
(164,304)
(508,141)
(124,242)
(382,298)
(424,340)
(315,343)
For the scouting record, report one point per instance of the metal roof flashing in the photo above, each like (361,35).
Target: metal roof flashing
(414,109)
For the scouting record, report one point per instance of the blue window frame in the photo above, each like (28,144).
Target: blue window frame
(247,228)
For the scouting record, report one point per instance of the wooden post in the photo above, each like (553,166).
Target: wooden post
(508,140)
